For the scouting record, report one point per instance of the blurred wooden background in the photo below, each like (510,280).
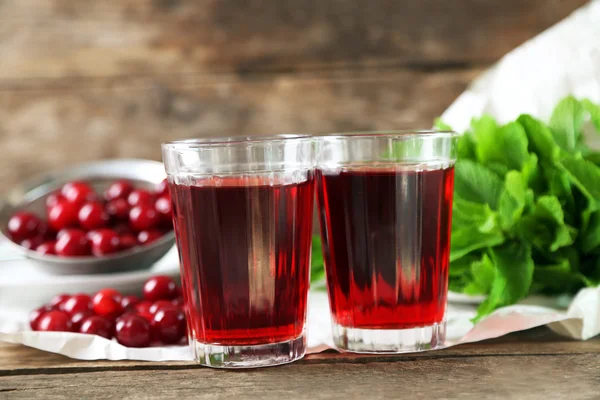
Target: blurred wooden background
(87,79)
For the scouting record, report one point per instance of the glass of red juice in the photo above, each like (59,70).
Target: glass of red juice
(242,211)
(385,208)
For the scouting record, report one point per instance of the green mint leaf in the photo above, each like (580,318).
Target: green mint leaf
(468,239)
(559,184)
(594,112)
(544,227)
(590,239)
(465,147)
(593,157)
(441,125)
(549,207)
(513,199)
(498,168)
(484,272)
(589,272)
(505,146)
(540,139)
(553,278)
(585,175)
(476,183)
(477,215)
(462,266)
(589,282)
(317,264)
(484,126)
(533,175)
(513,276)
(458,284)
(566,123)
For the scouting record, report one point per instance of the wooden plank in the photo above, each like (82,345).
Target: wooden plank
(522,377)
(21,360)
(53,39)
(42,129)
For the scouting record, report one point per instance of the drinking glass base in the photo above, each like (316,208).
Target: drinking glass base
(250,356)
(357,340)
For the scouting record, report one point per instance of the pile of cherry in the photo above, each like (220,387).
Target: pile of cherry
(80,222)
(158,318)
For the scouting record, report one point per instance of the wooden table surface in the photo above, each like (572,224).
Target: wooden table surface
(535,364)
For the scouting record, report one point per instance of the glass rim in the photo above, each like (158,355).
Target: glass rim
(224,141)
(425,133)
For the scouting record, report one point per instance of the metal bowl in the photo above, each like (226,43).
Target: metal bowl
(31,197)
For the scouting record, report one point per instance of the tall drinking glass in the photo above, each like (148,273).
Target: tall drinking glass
(385,207)
(242,210)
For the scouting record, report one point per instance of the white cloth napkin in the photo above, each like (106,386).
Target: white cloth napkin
(580,321)
(531,79)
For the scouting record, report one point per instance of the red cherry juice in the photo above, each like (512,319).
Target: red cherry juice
(386,237)
(245,249)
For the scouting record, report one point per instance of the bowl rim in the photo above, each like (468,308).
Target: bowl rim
(79,260)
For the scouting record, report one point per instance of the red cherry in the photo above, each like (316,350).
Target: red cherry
(118,190)
(53,199)
(143,310)
(77,319)
(178,302)
(118,209)
(160,287)
(47,247)
(107,303)
(111,292)
(168,325)
(77,303)
(56,321)
(143,306)
(32,243)
(59,300)
(37,314)
(162,188)
(104,241)
(92,216)
(127,241)
(161,305)
(148,316)
(140,197)
(72,243)
(143,217)
(123,228)
(77,192)
(147,237)
(24,225)
(96,325)
(63,215)
(133,331)
(129,302)
(163,207)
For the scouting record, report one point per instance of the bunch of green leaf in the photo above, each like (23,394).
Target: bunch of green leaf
(526,211)
(317,264)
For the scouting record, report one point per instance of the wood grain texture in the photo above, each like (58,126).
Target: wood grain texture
(534,364)
(42,129)
(519,377)
(22,360)
(57,39)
